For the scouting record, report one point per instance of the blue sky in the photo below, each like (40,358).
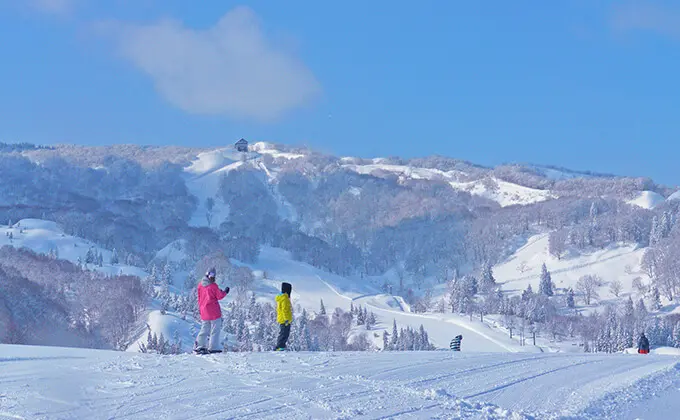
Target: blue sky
(584,84)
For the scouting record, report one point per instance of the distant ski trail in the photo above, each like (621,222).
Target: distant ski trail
(378,310)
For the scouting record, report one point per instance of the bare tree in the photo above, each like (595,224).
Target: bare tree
(588,285)
(209,206)
(242,279)
(557,243)
(639,286)
(615,287)
(522,267)
(217,260)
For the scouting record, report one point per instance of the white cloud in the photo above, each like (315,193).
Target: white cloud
(230,69)
(647,16)
(53,6)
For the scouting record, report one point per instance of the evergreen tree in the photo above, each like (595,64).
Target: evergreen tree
(114,257)
(386,340)
(641,310)
(528,293)
(242,334)
(90,256)
(570,298)
(488,282)
(676,335)
(545,286)
(162,345)
(322,310)
(656,233)
(361,320)
(305,339)
(370,321)
(629,309)
(166,275)
(394,342)
(153,275)
(149,341)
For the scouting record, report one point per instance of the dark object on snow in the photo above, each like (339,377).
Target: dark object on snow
(202,350)
(643,344)
(455,343)
(241,145)
(284,332)
(286,288)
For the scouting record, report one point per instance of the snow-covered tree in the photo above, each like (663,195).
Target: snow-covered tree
(655,299)
(570,298)
(322,309)
(588,286)
(545,285)
(114,257)
(615,287)
(487,282)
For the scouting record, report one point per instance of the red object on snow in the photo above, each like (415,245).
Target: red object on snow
(641,351)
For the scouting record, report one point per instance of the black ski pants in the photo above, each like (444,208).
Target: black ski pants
(284,332)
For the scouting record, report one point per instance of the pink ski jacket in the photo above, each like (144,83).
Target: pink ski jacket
(208,296)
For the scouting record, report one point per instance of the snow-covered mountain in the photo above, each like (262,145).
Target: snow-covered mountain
(401,237)
(536,266)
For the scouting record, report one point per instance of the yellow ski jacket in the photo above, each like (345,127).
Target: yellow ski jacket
(284,311)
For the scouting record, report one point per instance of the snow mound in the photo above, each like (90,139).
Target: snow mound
(647,200)
(664,351)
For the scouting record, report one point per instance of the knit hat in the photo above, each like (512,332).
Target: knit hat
(286,288)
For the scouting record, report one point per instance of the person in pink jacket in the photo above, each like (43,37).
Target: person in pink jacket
(209,295)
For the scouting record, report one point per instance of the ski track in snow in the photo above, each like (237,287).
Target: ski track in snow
(60,383)
(472,334)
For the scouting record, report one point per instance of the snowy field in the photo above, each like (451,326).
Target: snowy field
(59,383)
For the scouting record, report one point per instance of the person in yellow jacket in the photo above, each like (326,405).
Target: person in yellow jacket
(284,315)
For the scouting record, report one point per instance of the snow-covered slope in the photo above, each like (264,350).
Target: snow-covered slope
(504,193)
(311,285)
(674,196)
(44,236)
(203,180)
(205,172)
(647,200)
(524,267)
(58,383)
